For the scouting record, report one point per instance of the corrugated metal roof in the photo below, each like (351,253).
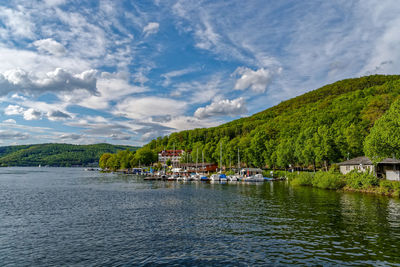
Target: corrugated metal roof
(357,161)
(366,161)
(390,161)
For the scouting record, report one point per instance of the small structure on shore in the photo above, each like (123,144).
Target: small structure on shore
(250,171)
(361,164)
(388,168)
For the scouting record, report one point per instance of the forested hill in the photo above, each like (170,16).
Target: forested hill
(322,126)
(56,154)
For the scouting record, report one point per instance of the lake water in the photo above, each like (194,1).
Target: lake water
(71,217)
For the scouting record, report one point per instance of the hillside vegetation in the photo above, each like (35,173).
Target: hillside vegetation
(62,155)
(318,128)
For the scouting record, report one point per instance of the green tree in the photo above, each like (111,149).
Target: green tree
(146,156)
(103,160)
(384,138)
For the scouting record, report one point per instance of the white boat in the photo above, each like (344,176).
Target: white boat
(232,178)
(194,177)
(255,178)
(214,177)
(172,178)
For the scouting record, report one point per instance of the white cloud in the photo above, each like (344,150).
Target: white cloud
(70,136)
(54,2)
(176,73)
(181,123)
(50,46)
(32,114)
(222,108)
(57,115)
(110,87)
(13,110)
(257,80)
(151,28)
(6,134)
(59,80)
(123,137)
(17,22)
(10,121)
(139,77)
(146,107)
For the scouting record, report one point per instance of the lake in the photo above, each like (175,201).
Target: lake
(72,217)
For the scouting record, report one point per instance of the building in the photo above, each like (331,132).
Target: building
(387,168)
(361,164)
(173,155)
(250,171)
(199,167)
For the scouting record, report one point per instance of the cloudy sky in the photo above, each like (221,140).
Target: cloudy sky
(124,72)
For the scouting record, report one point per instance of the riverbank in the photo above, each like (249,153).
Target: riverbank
(352,182)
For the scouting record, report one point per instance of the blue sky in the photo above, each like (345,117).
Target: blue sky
(124,72)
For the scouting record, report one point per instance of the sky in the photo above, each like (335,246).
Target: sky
(125,72)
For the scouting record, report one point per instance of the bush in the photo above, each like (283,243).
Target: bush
(361,180)
(304,178)
(389,187)
(328,180)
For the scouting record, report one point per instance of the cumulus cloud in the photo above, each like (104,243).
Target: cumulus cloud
(256,80)
(151,28)
(5,134)
(32,114)
(222,108)
(59,80)
(13,110)
(49,46)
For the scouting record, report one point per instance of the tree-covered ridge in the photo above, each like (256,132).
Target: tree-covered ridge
(56,154)
(320,127)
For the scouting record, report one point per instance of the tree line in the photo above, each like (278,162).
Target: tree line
(342,120)
(60,155)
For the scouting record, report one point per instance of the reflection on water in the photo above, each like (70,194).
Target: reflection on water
(66,216)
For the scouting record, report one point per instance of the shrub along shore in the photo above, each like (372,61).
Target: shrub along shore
(354,181)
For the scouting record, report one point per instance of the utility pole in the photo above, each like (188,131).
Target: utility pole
(197,158)
(220,157)
(238,161)
(202,159)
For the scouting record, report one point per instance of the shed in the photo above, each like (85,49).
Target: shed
(361,164)
(389,168)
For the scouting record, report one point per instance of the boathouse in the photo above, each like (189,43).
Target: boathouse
(387,168)
(199,167)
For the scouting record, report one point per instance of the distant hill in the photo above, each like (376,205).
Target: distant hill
(323,126)
(61,155)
